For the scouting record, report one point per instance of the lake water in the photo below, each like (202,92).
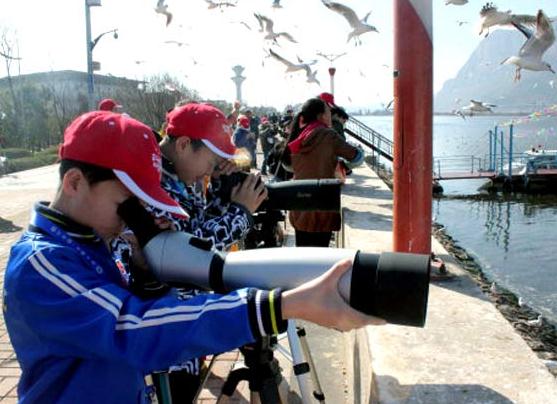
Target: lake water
(513,237)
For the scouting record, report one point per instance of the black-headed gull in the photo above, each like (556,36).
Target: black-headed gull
(530,55)
(359,27)
(266,24)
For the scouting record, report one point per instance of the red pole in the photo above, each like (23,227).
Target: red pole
(413,102)
(332,72)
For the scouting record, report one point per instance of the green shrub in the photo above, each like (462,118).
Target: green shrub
(15,153)
(51,150)
(27,163)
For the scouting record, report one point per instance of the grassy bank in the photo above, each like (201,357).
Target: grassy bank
(21,159)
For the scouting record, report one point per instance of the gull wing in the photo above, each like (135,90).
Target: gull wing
(260,21)
(541,40)
(281,59)
(366,17)
(345,11)
(266,21)
(287,36)
(525,19)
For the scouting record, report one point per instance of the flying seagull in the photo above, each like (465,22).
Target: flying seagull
(490,16)
(220,4)
(163,9)
(530,55)
(477,106)
(359,27)
(291,67)
(330,57)
(173,42)
(456,2)
(310,75)
(276,4)
(266,24)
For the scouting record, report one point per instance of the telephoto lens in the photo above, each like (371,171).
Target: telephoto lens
(393,286)
(316,195)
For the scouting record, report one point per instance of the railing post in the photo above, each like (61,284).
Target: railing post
(494,167)
(490,148)
(502,151)
(510,151)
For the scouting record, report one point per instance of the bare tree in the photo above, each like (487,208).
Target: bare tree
(8,47)
(151,99)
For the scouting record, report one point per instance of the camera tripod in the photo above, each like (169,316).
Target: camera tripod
(263,373)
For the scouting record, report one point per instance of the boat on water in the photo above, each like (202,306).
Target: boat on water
(536,160)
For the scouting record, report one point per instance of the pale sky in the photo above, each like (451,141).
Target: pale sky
(51,35)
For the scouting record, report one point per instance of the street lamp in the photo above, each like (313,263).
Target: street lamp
(94,41)
(90,46)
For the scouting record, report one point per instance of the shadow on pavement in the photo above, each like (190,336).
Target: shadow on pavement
(367,220)
(439,393)
(7,226)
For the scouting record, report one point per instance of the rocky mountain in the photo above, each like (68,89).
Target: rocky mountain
(484,78)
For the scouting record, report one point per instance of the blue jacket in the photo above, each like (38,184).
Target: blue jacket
(81,336)
(243,138)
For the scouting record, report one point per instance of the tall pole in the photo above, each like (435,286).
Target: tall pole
(90,84)
(413,120)
(238,79)
(332,72)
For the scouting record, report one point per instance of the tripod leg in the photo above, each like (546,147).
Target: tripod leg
(301,367)
(234,377)
(318,392)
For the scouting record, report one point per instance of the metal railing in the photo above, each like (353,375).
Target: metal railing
(370,138)
(470,165)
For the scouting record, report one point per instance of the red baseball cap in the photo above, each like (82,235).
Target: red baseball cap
(126,146)
(108,104)
(329,99)
(243,121)
(204,122)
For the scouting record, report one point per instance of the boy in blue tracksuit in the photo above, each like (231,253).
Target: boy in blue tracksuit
(79,333)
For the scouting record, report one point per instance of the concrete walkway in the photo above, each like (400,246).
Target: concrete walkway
(467,352)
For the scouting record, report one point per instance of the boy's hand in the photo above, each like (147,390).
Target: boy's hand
(320,302)
(250,193)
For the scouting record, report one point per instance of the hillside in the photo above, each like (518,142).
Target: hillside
(483,78)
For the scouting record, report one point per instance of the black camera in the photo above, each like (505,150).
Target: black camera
(322,194)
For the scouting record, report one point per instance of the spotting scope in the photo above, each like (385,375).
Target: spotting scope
(393,286)
(316,194)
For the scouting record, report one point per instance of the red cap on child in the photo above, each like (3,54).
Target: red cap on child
(204,122)
(243,121)
(328,98)
(108,104)
(126,146)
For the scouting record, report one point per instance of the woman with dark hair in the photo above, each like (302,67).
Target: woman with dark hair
(314,151)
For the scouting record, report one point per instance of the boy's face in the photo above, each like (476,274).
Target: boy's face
(192,165)
(95,206)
